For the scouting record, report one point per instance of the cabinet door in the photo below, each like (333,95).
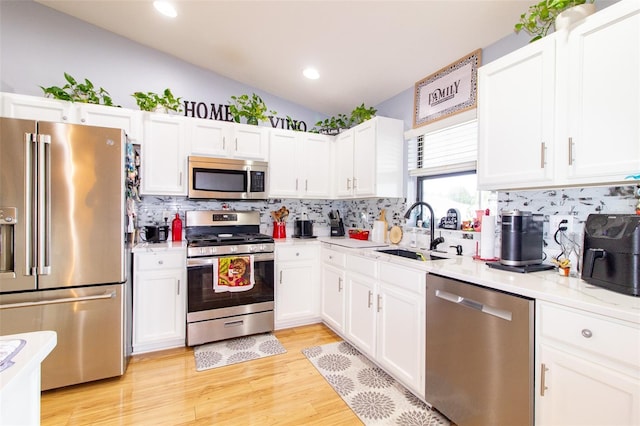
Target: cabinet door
(209,137)
(579,392)
(516,113)
(283,164)
(37,108)
(163,159)
(361,312)
(120,118)
(401,335)
(344,164)
(333,291)
(316,159)
(364,159)
(603,112)
(159,319)
(248,142)
(295,291)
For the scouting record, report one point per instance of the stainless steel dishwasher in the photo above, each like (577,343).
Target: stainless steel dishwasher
(479,358)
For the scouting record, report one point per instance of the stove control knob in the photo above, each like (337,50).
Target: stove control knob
(253,247)
(233,249)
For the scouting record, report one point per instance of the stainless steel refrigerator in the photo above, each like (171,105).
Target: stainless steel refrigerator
(63,261)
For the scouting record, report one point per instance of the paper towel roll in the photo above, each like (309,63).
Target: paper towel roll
(488,238)
(378,231)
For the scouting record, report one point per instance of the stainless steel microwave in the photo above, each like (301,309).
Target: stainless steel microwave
(227,179)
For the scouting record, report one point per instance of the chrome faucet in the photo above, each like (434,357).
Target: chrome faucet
(432,226)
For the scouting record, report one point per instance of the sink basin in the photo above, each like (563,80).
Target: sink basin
(410,254)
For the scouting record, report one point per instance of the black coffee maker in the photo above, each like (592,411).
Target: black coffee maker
(611,252)
(337,226)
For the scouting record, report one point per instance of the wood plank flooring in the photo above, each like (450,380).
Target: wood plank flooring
(164,388)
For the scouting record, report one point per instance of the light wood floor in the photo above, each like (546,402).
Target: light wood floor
(163,388)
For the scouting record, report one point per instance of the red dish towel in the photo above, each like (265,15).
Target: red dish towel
(233,273)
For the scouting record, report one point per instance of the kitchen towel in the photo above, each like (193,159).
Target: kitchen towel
(488,238)
(234,273)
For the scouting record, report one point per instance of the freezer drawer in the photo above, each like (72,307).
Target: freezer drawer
(480,354)
(90,325)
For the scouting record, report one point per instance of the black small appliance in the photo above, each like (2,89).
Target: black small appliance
(303,228)
(337,226)
(155,233)
(521,238)
(611,252)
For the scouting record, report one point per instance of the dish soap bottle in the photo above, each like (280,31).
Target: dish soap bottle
(176,228)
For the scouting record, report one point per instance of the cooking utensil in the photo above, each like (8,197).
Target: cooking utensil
(395,235)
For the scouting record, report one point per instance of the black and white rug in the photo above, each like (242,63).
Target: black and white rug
(236,350)
(374,396)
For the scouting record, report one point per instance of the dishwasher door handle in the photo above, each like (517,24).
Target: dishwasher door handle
(470,303)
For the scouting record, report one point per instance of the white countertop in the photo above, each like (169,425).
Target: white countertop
(38,345)
(164,246)
(546,285)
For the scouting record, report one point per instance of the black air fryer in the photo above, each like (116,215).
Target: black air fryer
(611,252)
(521,238)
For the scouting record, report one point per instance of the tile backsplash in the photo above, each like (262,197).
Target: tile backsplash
(361,213)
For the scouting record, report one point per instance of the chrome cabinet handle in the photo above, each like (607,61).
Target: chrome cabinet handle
(379,303)
(586,333)
(570,151)
(224,143)
(178,287)
(296,184)
(280,277)
(369,303)
(355,183)
(348,183)
(339,284)
(306,185)
(543,385)
(543,155)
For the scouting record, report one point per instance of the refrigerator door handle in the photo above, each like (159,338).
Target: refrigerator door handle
(31,214)
(108,295)
(44,204)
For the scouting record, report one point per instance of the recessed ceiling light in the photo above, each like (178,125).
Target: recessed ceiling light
(165,8)
(311,73)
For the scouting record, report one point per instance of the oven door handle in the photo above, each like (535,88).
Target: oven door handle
(204,261)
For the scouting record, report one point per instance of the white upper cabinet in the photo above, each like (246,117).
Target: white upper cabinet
(554,114)
(603,95)
(46,109)
(164,163)
(516,113)
(227,140)
(299,164)
(369,159)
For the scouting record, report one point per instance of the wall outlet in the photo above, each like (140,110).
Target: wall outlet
(555,220)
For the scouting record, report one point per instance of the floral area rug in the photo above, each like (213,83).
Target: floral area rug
(236,350)
(374,396)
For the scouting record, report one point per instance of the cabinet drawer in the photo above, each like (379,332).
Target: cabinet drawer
(403,277)
(296,252)
(591,332)
(154,261)
(334,258)
(362,266)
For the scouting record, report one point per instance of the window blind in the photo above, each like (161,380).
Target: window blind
(450,150)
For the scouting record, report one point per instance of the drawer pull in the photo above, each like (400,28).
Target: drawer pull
(160,262)
(586,333)
(543,385)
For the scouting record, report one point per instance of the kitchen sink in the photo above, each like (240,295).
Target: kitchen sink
(409,254)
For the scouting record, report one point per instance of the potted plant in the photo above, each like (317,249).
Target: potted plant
(159,103)
(252,108)
(541,16)
(332,125)
(73,91)
(361,114)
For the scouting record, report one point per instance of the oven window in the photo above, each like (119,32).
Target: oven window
(219,180)
(202,297)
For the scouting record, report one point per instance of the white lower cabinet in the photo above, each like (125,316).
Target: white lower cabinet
(159,300)
(588,368)
(332,301)
(385,317)
(297,285)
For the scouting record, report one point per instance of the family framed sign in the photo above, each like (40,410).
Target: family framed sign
(449,91)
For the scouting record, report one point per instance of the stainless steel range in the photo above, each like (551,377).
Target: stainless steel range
(230,275)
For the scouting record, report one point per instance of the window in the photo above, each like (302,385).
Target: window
(443,164)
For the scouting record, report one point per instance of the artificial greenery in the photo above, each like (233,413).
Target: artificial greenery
(151,101)
(333,125)
(540,17)
(361,114)
(74,91)
(253,109)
